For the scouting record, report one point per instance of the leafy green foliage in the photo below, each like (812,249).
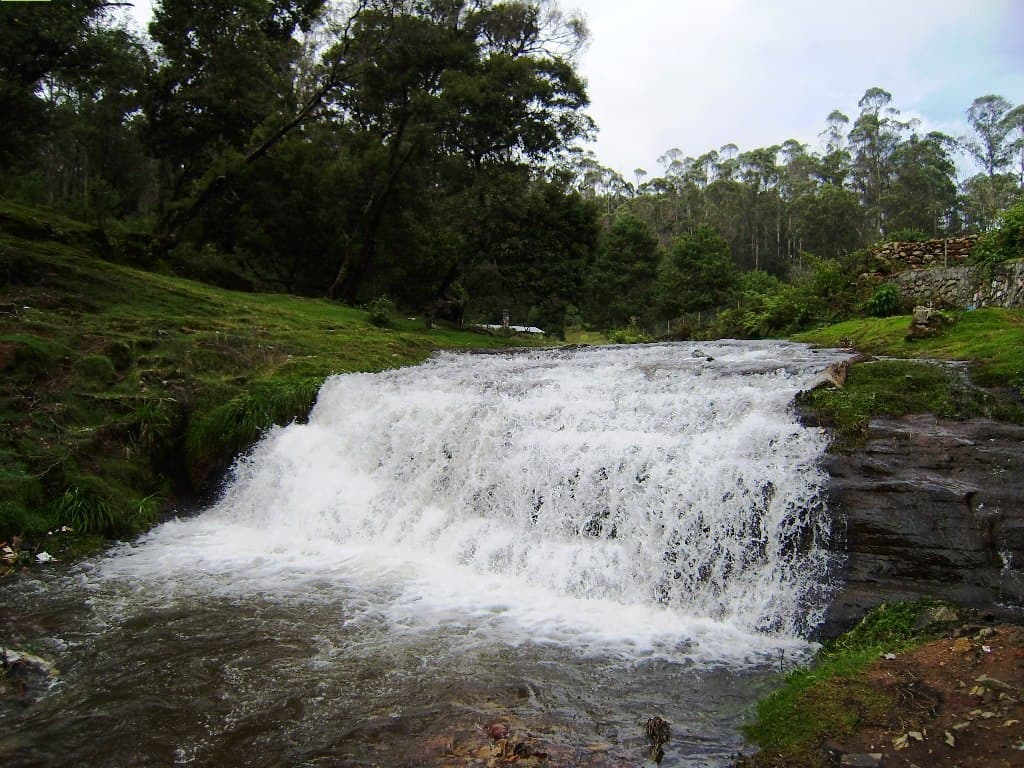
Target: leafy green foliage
(885,301)
(1006,241)
(631,334)
(380,311)
(907,235)
(621,280)
(698,273)
(820,291)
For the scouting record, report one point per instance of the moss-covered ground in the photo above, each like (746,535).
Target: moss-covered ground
(831,699)
(972,368)
(124,388)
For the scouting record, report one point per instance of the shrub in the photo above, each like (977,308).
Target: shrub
(1006,241)
(631,334)
(908,236)
(380,310)
(885,301)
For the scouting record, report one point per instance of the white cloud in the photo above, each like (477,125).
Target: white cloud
(696,75)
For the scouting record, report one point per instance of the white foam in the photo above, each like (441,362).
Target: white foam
(638,498)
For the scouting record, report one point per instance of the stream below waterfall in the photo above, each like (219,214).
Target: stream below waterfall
(568,542)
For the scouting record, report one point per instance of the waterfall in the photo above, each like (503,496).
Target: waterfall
(639,492)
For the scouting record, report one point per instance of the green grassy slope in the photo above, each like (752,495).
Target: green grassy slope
(121,388)
(989,383)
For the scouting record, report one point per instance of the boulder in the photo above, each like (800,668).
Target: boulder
(928,322)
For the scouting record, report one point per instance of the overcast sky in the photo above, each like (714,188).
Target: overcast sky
(697,74)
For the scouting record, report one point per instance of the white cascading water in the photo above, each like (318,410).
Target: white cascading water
(662,497)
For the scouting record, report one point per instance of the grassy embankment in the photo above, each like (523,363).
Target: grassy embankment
(830,700)
(988,380)
(123,389)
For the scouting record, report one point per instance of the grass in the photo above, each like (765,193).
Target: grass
(121,387)
(989,382)
(830,699)
(992,339)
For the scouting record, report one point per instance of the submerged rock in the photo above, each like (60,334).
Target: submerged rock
(25,678)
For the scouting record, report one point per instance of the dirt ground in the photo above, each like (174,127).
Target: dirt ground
(961,703)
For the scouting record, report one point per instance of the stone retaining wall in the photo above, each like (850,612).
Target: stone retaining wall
(997,285)
(896,257)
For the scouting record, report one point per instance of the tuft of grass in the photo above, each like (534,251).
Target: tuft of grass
(85,512)
(828,700)
(214,438)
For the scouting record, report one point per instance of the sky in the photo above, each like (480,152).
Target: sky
(698,74)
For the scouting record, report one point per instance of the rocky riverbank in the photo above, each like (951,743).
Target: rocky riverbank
(930,507)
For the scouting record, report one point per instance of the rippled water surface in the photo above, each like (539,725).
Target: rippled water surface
(568,542)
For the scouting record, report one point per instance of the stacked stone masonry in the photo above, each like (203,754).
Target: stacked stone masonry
(998,285)
(949,252)
(935,273)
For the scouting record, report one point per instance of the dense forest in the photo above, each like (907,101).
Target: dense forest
(432,152)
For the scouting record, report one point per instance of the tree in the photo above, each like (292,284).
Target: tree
(697,275)
(428,80)
(985,196)
(620,282)
(226,71)
(1014,121)
(874,137)
(923,191)
(987,118)
(37,40)
(831,221)
(834,167)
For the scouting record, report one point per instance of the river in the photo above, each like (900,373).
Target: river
(567,542)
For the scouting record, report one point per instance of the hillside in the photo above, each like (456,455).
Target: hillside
(124,391)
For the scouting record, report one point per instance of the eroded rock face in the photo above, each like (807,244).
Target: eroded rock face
(930,508)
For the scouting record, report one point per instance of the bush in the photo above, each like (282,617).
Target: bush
(631,334)
(1006,241)
(380,310)
(885,301)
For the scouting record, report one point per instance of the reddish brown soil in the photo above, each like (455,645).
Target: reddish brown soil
(964,698)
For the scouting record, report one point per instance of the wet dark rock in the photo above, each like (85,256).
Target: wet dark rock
(862,760)
(929,507)
(24,677)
